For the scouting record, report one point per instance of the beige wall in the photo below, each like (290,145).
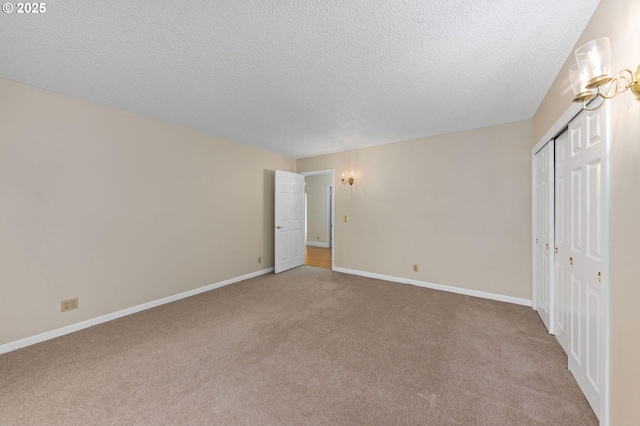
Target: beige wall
(457,205)
(317,217)
(620,21)
(119,210)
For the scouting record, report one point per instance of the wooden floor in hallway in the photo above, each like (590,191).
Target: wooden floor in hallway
(319,257)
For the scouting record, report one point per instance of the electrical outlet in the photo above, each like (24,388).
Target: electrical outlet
(415,268)
(69,304)
(260,259)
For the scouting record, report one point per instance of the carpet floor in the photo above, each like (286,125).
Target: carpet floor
(308,346)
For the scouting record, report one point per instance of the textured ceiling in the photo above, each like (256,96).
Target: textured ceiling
(299,77)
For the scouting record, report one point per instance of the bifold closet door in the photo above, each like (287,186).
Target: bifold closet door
(561,314)
(544,226)
(585,252)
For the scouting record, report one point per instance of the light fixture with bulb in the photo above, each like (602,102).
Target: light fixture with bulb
(590,75)
(348,180)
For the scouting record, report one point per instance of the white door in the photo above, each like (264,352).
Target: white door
(561,314)
(586,252)
(544,294)
(289,215)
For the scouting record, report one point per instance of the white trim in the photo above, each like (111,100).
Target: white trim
(317,172)
(450,289)
(333,220)
(558,126)
(27,341)
(604,397)
(314,244)
(333,210)
(329,191)
(534,209)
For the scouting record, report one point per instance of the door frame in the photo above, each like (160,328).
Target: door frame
(332,206)
(329,218)
(562,122)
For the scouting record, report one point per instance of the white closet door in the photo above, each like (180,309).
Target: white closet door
(587,153)
(561,314)
(544,187)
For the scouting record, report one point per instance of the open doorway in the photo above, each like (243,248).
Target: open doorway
(319,244)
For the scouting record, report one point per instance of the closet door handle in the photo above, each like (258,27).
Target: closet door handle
(571,261)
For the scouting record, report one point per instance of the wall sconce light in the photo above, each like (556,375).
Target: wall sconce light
(348,180)
(590,75)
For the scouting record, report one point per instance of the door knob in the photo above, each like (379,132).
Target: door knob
(556,250)
(571,261)
(536,241)
(279,227)
(599,277)
(547,246)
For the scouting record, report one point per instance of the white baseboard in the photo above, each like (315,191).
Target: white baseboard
(27,341)
(459,290)
(11,346)
(312,244)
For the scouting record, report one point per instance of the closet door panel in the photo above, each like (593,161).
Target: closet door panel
(562,207)
(544,232)
(586,252)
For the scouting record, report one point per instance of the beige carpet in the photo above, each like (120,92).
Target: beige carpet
(308,346)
